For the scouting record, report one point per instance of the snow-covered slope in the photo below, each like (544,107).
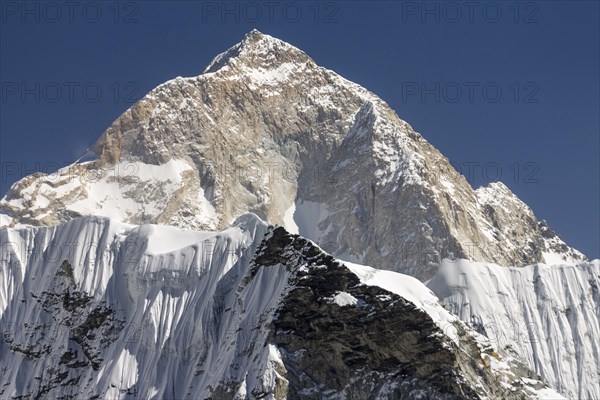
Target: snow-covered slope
(549,315)
(266,130)
(124,191)
(99,307)
(94,308)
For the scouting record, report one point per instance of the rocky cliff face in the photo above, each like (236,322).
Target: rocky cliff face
(341,338)
(266,130)
(95,309)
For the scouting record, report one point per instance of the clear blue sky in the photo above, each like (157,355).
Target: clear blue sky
(438,64)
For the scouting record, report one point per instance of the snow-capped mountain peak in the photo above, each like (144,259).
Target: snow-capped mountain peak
(259,51)
(266,130)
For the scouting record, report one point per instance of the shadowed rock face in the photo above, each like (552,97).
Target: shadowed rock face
(264,129)
(359,349)
(382,346)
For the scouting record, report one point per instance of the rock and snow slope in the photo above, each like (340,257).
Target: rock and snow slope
(549,315)
(266,130)
(94,308)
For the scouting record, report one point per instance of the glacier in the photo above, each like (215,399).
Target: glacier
(548,314)
(95,308)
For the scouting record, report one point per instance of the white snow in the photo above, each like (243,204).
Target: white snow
(186,296)
(125,370)
(288,220)
(165,283)
(547,314)
(412,290)
(344,299)
(307,216)
(105,197)
(272,77)
(552,258)
(166,239)
(5,220)
(546,394)
(125,190)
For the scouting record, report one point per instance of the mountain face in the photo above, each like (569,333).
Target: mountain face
(147,272)
(550,315)
(266,130)
(95,308)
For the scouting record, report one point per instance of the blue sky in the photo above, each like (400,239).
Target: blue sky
(505,90)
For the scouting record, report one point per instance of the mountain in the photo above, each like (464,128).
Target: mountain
(147,271)
(266,130)
(549,315)
(94,308)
